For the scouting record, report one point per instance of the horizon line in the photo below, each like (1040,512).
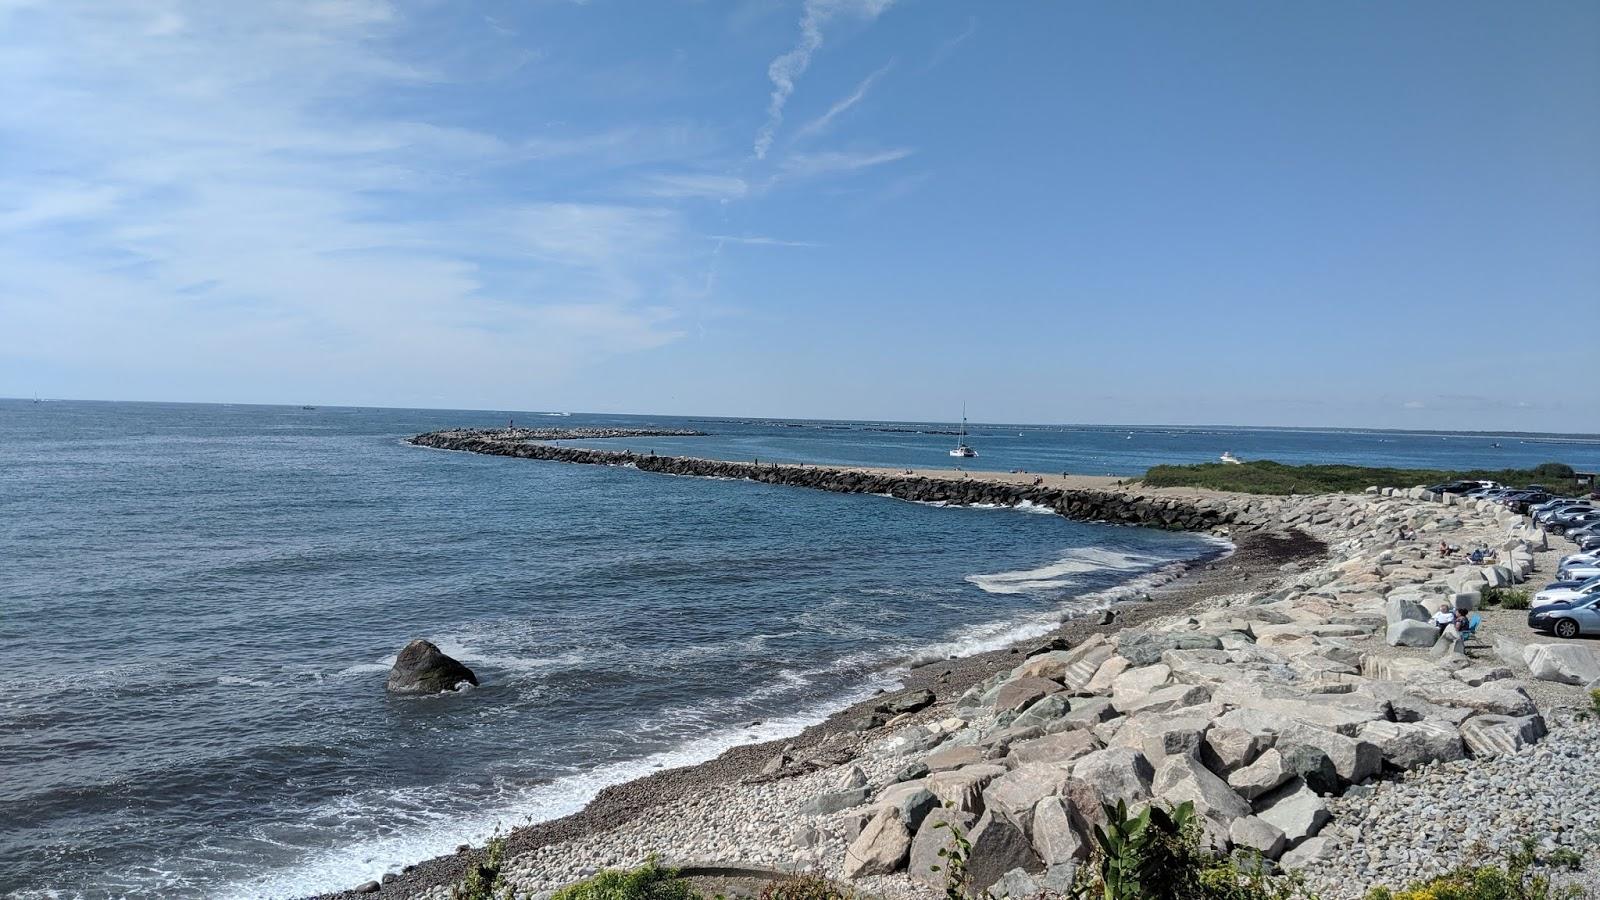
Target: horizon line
(878,421)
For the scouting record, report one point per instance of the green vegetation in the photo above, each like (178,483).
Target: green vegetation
(1513,881)
(955,863)
(1594,699)
(482,881)
(1268,477)
(648,882)
(1158,854)
(1507,598)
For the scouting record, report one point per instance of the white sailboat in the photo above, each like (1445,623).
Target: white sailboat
(962,449)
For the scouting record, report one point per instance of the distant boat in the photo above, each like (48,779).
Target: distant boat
(1230,459)
(308,407)
(962,450)
(1495,444)
(1129,437)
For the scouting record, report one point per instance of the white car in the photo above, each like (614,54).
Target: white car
(1579,572)
(1565,506)
(1588,558)
(1590,588)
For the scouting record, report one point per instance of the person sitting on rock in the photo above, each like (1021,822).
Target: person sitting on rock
(1443,619)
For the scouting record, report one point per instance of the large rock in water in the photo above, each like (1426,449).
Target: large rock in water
(422,668)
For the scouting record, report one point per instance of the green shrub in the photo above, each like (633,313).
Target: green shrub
(482,881)
(1594,699)
(1553,471)
(1157,854)
(648,882)
(1509,598)
(1267,477)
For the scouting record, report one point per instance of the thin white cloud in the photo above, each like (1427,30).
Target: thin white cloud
(949,46)
(813,165)
(759,240)
(825,121)
(674,186)
(786,69)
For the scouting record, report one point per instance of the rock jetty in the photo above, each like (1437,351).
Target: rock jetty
(1123,506)
(1292,714)
(579,434)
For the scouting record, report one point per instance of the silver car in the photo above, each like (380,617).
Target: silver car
(1570,619)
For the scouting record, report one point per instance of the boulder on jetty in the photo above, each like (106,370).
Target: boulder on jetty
(422,668)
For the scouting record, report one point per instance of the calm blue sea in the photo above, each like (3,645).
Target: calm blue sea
(198,604)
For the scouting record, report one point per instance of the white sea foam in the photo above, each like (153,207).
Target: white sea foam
(239,680)
(1062,572)
(438,829)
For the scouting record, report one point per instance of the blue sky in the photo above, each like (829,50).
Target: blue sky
(1363,213)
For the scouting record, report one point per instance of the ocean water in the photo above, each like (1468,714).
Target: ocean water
(198,605)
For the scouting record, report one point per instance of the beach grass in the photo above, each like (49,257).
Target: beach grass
(1268,477)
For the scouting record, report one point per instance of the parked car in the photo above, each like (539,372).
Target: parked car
(1550,512)
(1582,531)
(1578,559)
(1521,500)
(1553,594)
(1461,486)
(1587,542)
(1552,503)
(1561,585)
(1587,570)
(1574,521)
(1569,618)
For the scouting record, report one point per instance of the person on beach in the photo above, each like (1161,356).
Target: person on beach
(1443,619)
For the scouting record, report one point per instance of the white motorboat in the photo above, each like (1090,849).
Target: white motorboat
(1230,459)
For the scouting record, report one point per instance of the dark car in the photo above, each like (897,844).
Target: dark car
(1521,500)
(1574,520)
(1459,487)
(1568,619)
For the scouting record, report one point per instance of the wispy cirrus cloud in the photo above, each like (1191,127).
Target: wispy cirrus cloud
(196,187)
(675,186)
(836,162)
(785,70)
(949,46)
(759,240)
(825,121)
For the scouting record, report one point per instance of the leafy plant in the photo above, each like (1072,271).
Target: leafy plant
(955,859)
(1594,699)
(483,875)
(1515,599)
(1157,855)
(650,881)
